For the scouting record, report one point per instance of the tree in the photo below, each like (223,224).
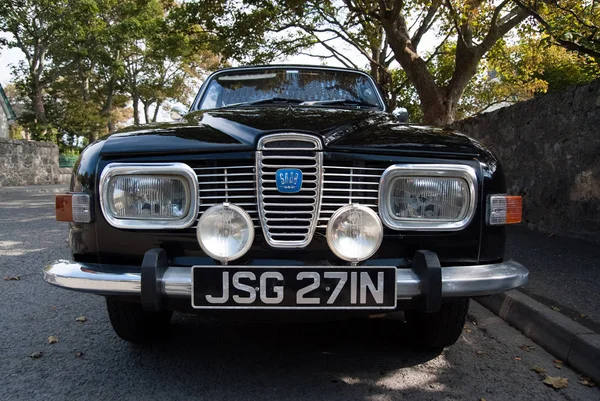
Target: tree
(572,24)
(32,24)
(476,24)
(512,71)
(160,63)
(372,26)
(87,59)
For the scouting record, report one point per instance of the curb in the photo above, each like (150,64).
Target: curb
(35,189)
(566,339)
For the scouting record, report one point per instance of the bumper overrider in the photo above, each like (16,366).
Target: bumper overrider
(155,280)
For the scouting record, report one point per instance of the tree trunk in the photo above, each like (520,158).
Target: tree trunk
(37,91)
(147,111)
(36,68)
(136,109)
(37,102)
(84,79)
(108,104)
(435,111)
(156,110)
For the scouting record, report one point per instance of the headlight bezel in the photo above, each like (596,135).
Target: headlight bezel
(457,171)
(179,170)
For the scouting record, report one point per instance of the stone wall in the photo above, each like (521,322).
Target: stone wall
(550,150)
(28,163)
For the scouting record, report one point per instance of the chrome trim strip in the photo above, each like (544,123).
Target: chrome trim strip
(176,282)
(467,173)
(159,169)
(270,201)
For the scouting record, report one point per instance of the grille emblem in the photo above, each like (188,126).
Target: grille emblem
(288,206)
(289,180)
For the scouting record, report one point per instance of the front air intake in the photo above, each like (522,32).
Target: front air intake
(289,219)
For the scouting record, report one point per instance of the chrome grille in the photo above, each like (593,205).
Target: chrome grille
(345,185)
(235,184)
(289,219)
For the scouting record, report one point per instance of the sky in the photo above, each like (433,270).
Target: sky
(8,57)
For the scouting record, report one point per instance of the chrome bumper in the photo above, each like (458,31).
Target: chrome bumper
(176,282)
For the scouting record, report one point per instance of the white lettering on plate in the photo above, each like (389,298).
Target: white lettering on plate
(243,287)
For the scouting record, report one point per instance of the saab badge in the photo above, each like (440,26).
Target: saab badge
(289,180)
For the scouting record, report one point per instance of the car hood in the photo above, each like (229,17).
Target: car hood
(238,129)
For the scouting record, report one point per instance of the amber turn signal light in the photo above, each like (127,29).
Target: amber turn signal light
(73,207)
(514,209)
(64,207)
(504,209)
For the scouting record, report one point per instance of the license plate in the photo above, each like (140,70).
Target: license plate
(245,287)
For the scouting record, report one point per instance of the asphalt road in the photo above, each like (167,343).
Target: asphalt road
(203,359)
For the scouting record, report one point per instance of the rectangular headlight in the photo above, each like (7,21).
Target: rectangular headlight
(427,197)
(149,196)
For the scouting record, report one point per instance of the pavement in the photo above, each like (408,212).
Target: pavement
(369,359)
(564,273)
(34,189)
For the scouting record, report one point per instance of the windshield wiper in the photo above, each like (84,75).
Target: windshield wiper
(343,102)
(267,101)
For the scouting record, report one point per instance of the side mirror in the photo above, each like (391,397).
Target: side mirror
(177,112)
(401,114)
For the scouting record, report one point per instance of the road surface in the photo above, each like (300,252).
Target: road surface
(211,360)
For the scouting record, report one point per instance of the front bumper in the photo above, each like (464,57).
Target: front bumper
(176,282)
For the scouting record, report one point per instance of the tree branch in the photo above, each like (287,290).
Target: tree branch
(438,48)
(338,55)
(567,44)
(426,25)
(574,14)
(498,31)
(454,17)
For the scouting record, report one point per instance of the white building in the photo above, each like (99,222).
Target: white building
(6,114)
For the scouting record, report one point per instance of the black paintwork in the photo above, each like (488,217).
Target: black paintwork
(349,136)
(238,129)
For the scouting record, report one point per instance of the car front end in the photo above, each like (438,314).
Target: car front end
(281,208)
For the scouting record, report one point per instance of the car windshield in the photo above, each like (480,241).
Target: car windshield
(284,86)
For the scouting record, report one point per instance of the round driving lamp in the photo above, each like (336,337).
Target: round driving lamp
(225,232)
(354,233)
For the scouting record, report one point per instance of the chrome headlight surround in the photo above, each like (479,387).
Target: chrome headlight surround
(178,170)
(395,171)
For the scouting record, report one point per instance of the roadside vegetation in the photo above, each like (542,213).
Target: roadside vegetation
(92,66)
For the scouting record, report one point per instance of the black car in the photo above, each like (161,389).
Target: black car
(284,192)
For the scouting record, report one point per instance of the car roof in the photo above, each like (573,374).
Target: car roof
(299,66)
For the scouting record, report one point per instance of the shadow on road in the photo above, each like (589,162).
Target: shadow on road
(291,360)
